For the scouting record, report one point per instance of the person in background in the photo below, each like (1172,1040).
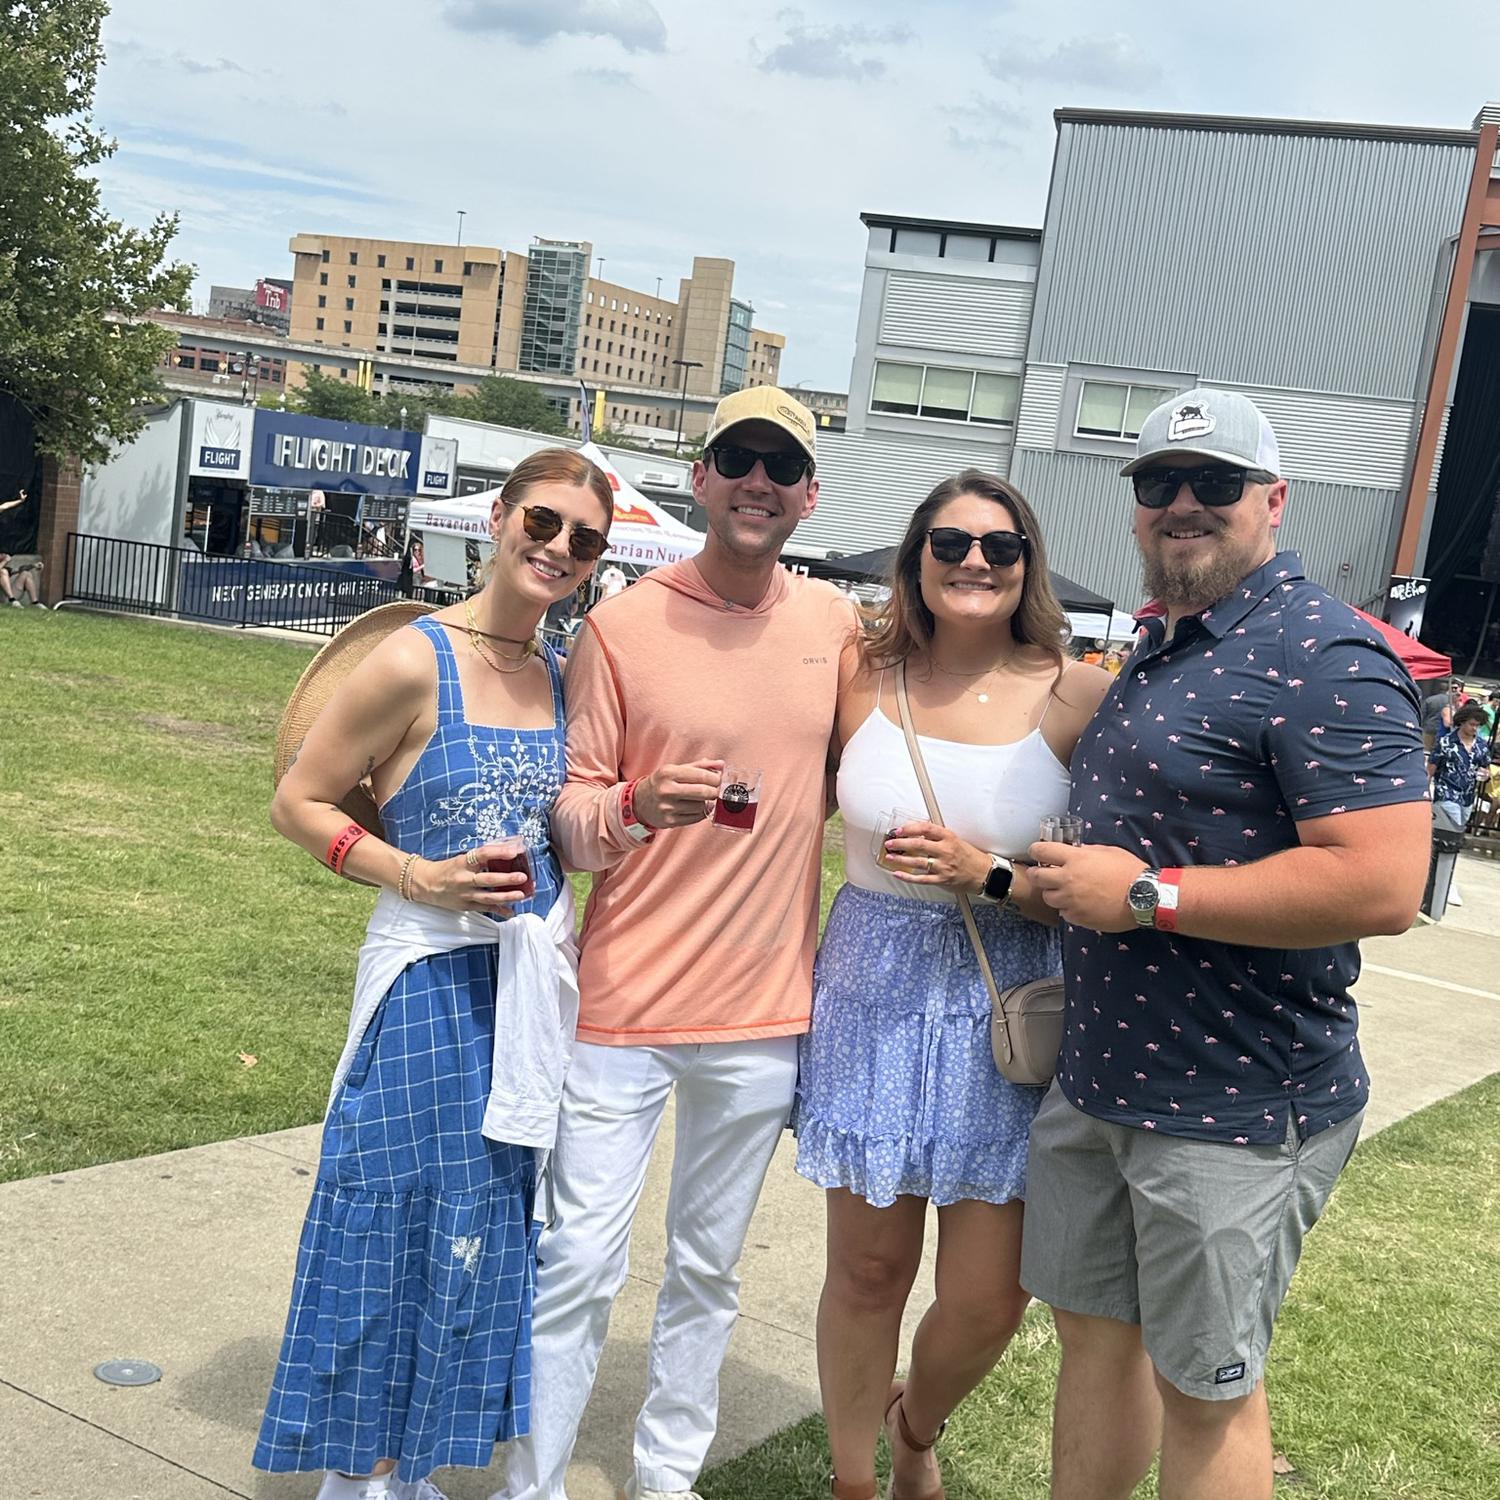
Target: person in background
(612,581)
(1437,712)
(408,1340)
(1459,764)
(900,1103)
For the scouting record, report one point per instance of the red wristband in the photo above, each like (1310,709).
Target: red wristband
(1169,886)
(340,845)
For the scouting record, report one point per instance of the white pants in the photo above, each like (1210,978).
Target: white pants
(732,1103)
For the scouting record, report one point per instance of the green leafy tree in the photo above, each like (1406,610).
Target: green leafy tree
(73,280)
(322,395)
(511,403)
(417,401)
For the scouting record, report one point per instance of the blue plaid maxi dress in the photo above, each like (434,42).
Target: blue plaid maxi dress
(409,1334)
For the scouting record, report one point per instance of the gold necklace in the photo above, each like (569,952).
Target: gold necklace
(983,697)
(490,661)
(528,647)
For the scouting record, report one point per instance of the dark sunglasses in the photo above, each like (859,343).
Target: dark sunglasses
(1000,548)
(542,523)
(1212,484)
(781,468)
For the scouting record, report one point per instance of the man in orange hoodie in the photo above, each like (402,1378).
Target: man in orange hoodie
(697,946)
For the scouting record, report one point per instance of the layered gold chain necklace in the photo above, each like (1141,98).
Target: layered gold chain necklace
(982,693)
(492,658)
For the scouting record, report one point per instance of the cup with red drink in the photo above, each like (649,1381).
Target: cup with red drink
(738,800)
(510,856)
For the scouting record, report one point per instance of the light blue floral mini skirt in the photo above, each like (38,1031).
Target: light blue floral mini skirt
(898,1090)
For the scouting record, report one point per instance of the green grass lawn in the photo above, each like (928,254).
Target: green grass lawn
(155,931)
(1383,1373)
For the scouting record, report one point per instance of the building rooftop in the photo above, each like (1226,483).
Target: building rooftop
(1253,125)
(947,226)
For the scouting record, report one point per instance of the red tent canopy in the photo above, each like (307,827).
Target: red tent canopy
(1421,661)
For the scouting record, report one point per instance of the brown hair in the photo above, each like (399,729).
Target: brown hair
(560,466)
(904,624)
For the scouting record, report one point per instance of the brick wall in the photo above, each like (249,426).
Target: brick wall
(61,482)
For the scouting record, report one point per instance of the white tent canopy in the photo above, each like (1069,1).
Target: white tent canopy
(641,536)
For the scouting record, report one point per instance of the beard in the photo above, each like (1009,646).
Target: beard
(1195,583)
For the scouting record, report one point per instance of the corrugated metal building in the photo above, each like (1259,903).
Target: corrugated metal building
(1326,270)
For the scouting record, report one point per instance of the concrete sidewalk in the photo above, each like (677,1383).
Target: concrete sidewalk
(185,1260)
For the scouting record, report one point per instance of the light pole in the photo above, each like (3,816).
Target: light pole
(687,364)
(462,215)
(403,419)
(598,267)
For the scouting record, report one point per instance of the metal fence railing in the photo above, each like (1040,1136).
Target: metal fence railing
(150,579)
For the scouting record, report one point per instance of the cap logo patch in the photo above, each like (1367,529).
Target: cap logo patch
(794,417)
(1190,420)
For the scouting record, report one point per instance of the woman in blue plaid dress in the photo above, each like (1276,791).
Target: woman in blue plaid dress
(407,1346)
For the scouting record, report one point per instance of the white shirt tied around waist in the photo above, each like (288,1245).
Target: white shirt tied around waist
(536,1001)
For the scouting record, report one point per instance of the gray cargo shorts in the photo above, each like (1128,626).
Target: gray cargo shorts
(1193,1240)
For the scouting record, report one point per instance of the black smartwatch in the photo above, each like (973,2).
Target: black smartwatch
(996,885)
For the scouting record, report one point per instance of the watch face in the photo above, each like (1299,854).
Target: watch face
(1143,895)
(997,882)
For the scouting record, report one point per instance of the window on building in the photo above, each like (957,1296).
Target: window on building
(348,326)
(437,265)
(319,325)
(944,393)
(208,362)
(468,268)
(1111,409)
(596,367)
(348,304)
(322,278)
(411,264)
(325,257)
(322,300)
(343,372)
(379,262)
(614,306)
(354,257)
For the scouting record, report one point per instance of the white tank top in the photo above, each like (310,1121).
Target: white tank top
(993,796)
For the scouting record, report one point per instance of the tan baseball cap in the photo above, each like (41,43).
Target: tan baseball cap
(766,403)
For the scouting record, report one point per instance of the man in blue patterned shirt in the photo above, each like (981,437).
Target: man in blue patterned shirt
(1254,802)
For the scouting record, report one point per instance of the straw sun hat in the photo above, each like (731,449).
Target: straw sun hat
(316,686)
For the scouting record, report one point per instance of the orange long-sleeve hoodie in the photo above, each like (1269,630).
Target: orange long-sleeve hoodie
(702,935)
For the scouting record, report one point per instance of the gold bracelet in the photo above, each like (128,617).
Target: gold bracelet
(403,883)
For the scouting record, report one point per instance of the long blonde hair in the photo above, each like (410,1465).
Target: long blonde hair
(903,625)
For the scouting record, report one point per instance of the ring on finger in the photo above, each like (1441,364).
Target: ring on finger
(929,864)
(472,859)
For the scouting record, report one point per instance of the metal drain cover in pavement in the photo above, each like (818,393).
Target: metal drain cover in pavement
(127,1372)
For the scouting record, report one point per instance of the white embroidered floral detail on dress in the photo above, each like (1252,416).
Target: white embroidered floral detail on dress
(514,785)
(466,1247)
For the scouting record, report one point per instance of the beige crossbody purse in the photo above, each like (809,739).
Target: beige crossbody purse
(1026,1020)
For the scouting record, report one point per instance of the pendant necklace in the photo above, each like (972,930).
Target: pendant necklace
(983,695)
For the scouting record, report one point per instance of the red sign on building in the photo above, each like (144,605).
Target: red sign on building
(271,297)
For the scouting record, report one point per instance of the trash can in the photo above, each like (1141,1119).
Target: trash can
(1447,840)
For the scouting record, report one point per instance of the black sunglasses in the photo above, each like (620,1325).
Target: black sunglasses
(1212,484)
(781,468)
(542,523)
(1000,548)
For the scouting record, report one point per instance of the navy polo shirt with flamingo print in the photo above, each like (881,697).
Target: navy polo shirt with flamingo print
(1275,705)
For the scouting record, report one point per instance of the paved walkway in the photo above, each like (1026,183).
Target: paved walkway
(185,1260)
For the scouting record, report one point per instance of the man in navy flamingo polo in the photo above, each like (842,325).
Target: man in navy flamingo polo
(1254,802)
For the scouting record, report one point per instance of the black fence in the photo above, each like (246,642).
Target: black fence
(147,579)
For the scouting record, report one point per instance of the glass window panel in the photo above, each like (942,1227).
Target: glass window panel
(1144,399)
(946,393)
(898,388)
(995,398)
(1101,408)
(968,247)
(917,242)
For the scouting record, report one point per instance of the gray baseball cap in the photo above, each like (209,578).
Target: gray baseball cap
(1204,423)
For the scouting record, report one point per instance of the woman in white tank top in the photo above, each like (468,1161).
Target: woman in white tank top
(899,1100)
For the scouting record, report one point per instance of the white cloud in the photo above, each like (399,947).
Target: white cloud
(1108,62)
(635,24)
(831,51)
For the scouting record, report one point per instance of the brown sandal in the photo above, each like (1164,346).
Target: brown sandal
(909,1440)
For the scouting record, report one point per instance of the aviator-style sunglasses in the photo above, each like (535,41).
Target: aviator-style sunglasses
(781,468)
(1212,484)
(950,544)
(542,523)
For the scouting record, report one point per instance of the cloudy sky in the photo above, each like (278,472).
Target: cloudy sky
(660,129)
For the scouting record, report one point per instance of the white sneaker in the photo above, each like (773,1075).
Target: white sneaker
(15,604)
(1454,899)
(338,1486)
(416,1490)
(420,1489)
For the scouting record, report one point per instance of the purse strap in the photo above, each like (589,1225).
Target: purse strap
(935,813)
